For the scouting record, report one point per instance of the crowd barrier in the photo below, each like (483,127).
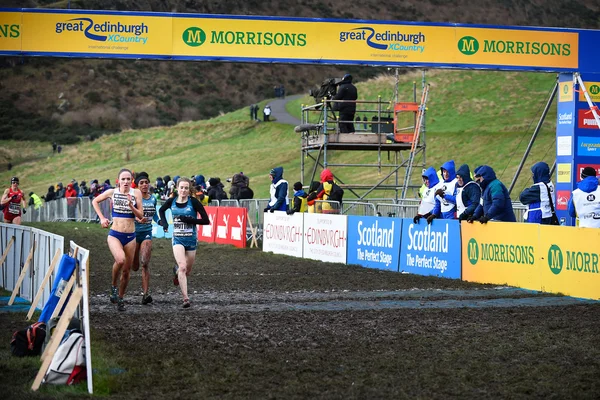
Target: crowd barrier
(556,259)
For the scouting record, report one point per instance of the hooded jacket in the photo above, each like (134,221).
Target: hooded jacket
(469,193)
(278,190)
(428,200)
(496,205)
(346,91)
(586,197)
(216,191)
(51,195)
(536,196)
(239,189)
(323,192)
(442,206)
(313,206)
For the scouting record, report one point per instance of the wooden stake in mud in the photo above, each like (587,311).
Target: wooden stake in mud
(59,332)
(64,296)
(8,246)
(44,282)
(22,276)
(253,242)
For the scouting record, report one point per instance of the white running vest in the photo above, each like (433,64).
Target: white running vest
(544,201)
(448,188)
(273,190)
(587,206)
(428,200)
(460,206)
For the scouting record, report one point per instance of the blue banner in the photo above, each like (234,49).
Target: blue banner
(431,249)
(374,242)
(588,146)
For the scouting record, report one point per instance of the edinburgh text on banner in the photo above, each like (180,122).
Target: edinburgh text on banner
(325,237)
(282,233)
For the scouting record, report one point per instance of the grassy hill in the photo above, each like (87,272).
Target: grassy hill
(473,117)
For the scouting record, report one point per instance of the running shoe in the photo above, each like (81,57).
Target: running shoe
(121,305)
(146,299)
(186,303)
(114,294)
(175,277)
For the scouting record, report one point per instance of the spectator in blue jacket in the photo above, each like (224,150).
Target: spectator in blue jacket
(585,200)
(467,194)
(538,197)
(444,208)
(432,182)
(497,205)
(278,190)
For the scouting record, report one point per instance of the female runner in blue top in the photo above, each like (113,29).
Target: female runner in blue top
(184,209)
(127,205)
(143,234)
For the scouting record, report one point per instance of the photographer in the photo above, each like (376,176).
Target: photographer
(346,91)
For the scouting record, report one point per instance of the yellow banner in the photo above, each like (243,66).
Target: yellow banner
(593,89)
(500,253)
(10,31)
(105,34)
(565,91)
(564,172)
(569,261)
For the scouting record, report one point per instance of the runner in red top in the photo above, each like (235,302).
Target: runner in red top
(13,202)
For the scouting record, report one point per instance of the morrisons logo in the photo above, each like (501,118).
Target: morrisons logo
(498,252)
(577,261)
(195,37)
(468,45)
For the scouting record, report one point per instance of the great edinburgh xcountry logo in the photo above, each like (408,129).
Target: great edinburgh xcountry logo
(387,40)
(473,251)
(555,259)
(194,37)
(106,31)
(468,45)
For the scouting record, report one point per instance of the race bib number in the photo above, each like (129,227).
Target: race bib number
(181,229)
(14,208)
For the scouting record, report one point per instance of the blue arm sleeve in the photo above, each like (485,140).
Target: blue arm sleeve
(437,209)
(450,199)
(571,208)
(281,193)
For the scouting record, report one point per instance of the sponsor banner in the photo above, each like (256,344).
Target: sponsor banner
(563,172)
(374,242)
(588,146)
(10,31)
(283,234)
(325,237)
(97,33)
(431,249)
(565,91)
(206,233)
(230,226)
(586,120)
(562,199)
(580,168)
(563,145)
(569,261)
(593,89)
(501,253)
(565,118)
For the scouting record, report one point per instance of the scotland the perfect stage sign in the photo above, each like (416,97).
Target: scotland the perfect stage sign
(431,249)
(374,242)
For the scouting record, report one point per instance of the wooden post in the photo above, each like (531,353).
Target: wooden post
(22,276)
(8,246)
(64,296)
(59,331)
(253,242)
(44,282)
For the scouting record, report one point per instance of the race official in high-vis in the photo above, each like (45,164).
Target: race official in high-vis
(585,200)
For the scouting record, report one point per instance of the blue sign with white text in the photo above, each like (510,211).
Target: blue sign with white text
(588,146)
(431,249)
(374,242)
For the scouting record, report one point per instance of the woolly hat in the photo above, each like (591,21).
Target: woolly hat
(588,171)
(298,186)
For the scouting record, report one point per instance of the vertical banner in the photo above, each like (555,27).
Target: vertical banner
(374,242)
(501,253)
(431,249)
(325,237)
(206,233)
(282,233)
(230,226)
(568,261)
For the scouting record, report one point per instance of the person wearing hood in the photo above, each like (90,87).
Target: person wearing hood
(278,190)
(346,91)
(60,191)
(71,196)
(496,204)
(200,181)
(467,194)
(267,113)
(311,200)
(216,190)
(51,195)
(330,192)
(239,189)
(431,180)
(84,190)
(539,198)
(585,200)
(444,208)
(299,201)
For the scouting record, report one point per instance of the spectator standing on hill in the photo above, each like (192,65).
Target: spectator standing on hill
(71,196)
(184,209)
(267,113)
(496,204)
(432,184)
(59,148)
(365,120)
(346,91)
(216,190)
(84,190)
(127,205)
(467,193)
(51,195)
(13,203)
(240,189)
(278,191)
(143,234)
(54,146)
(585,200)
(539,198)
(299,202)
(445,208)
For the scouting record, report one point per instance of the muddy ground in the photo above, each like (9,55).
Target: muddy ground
(264,326)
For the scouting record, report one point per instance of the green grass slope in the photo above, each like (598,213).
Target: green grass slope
(473,117)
